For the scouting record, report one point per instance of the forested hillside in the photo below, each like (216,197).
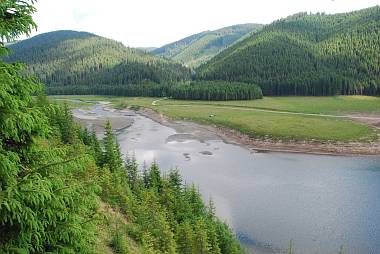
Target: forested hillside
(307,55)
(66,58)
(197,49)
(64,191)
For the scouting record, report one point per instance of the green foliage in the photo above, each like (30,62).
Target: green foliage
(132,169)
(199,48)
(111,156)
(185,238)
(148,89)
(196,90)
(19,123)
(16,19)
(215,90)
(53,175)
(66,125)
(69,58)
(118,242)
(306,55)
(43,181)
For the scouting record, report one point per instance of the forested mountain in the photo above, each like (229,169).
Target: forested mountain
(198,48)
(307,54)
(66,58)
(64,191)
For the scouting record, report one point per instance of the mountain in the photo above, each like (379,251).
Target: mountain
(306,54)
(198,48)
(70,58)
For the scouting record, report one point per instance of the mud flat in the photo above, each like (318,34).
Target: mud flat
(95,118)
(205,132)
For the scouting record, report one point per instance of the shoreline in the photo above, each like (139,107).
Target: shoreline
(233,136)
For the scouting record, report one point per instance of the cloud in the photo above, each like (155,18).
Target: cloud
(154,23)
(80,16)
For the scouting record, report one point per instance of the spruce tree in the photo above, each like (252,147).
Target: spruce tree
(201,241)
(131,167)
(155,177)
(41,199)
(96,148)
(185,238)
(111,155)
(67,125)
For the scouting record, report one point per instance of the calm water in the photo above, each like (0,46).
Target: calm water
(320,202)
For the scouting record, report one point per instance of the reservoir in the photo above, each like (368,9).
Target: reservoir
(318,202)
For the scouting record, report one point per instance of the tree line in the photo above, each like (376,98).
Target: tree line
(195,90)
(216,90)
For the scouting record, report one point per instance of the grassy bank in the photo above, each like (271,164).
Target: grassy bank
(243,116)
(276,126)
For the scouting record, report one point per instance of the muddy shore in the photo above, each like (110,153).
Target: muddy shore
(90,120)
(235,137)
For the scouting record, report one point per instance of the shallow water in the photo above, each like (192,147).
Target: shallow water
(320,202)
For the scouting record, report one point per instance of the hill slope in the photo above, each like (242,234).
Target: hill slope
(79,58)
(198,48)
(307,55)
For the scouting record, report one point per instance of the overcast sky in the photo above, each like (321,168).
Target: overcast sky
(142,23)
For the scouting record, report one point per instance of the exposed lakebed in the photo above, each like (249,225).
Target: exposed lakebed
(320,202)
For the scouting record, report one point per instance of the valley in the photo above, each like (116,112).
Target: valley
(322,125)
(264,183)
(242,130)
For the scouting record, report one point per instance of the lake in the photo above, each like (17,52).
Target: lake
(318,202)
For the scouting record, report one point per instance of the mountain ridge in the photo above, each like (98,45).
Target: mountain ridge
(306,54)
(67,57)
(198,48)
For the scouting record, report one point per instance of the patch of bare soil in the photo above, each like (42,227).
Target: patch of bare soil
(98,124)
(370,119)
(92,121)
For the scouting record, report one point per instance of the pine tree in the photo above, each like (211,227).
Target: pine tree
(213,239)
(42,208)
(211,209)
(131,167)
(96,149)
(201,241)
(175,180)
(185,238)
(155,177)
(146,175)
(67,125)
(111,155)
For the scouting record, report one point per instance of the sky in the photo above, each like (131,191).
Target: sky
(146,23)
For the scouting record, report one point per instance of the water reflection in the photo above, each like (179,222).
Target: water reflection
(321,202)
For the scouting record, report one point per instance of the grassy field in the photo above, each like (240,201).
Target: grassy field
(261,124)
(241,115)
(319,105)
